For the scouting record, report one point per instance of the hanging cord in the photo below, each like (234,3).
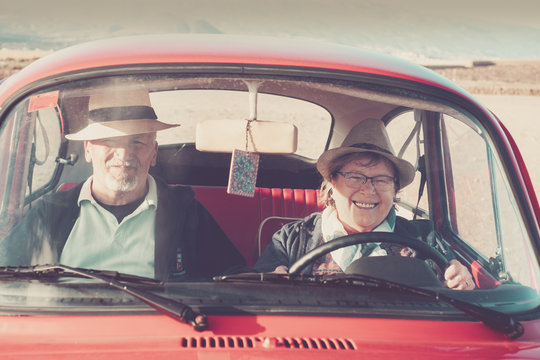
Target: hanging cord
(45,142)
(249,135)
(33,158)
(253,88)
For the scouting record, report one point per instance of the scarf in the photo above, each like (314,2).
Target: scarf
(332,229)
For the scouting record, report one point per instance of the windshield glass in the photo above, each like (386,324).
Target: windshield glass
(182,179)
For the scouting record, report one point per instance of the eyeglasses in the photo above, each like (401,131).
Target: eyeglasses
(356,180)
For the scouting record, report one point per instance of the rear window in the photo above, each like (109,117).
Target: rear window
(187,107)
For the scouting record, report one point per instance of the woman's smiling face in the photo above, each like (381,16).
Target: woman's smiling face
(362,209)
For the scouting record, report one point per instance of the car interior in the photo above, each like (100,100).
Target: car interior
(287,180)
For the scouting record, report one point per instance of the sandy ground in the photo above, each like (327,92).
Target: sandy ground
(12,61)
(511,89)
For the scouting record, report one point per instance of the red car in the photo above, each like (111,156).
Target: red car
(471,182)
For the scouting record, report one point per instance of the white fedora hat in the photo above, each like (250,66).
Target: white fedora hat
(367,136)
(119,113)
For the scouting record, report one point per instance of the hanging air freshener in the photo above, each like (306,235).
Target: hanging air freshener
(243,173)
(244,163)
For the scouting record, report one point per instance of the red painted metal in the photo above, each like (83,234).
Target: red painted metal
(522,169)
(247,337)
(211,49)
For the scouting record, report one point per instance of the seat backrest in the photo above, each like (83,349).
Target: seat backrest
(242,218)
(268,227)
(251,221)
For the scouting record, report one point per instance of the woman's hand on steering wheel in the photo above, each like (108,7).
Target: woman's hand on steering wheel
(457,277)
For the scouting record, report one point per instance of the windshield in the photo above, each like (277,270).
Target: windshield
(185,179)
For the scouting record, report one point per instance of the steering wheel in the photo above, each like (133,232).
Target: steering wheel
(424,251)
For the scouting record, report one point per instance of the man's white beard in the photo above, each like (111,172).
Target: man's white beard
(124,182)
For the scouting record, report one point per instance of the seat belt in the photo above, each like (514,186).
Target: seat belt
(422,169)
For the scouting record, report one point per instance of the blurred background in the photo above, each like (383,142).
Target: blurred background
(418,30)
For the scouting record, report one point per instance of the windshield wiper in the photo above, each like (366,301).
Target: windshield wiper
(57,271)
(495,320)
(169,307)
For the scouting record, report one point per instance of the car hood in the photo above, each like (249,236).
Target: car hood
(157,336)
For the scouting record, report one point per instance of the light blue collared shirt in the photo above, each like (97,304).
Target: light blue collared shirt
(98,241)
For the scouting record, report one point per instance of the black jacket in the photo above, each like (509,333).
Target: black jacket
(297,238)
(188,240)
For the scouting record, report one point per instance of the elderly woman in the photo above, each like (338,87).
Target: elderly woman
(361,179)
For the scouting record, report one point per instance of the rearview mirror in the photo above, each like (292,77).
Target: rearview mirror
(269,137)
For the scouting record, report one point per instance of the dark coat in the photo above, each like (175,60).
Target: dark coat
(188,240)
(295,239)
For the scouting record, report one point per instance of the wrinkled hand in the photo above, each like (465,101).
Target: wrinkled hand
(281,269)
(457,277)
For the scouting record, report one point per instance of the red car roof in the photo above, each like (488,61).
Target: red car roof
(222,49)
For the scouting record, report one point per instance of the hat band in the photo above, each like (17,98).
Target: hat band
(371,147)
(122,113)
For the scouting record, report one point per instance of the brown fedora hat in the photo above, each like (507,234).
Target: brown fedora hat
(119,113)
(367,136)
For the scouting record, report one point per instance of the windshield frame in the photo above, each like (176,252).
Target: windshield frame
(364,82)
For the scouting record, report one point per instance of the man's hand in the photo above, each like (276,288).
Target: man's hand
(457,277)
(281,269)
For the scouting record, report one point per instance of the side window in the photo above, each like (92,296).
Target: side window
(45,147)
(31,141)
(471,179)
(10,159)
(487,217)
(15,134)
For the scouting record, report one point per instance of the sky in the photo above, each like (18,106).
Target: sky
(411,29)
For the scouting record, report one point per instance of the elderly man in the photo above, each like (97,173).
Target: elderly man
(121,218)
